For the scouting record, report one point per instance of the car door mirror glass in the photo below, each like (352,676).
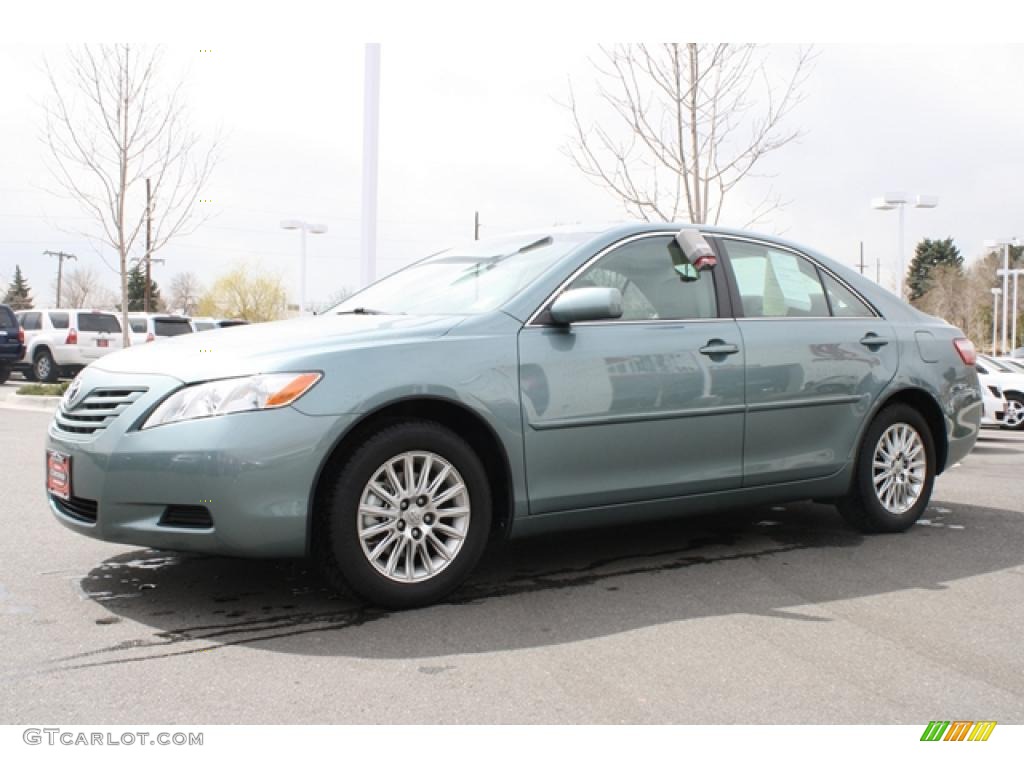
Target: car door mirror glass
(579,305)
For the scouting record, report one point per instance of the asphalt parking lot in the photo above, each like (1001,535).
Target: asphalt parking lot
(771,615)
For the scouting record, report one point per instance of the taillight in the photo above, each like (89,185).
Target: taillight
(72,337)
(21,335)
(150,337)
(965,347)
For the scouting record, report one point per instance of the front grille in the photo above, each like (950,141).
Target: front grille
(97,410)
(180,516)
(83,510)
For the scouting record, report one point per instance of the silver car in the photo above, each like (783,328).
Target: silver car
(526,384)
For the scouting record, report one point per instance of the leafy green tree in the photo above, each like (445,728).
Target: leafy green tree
(928,255)
(137,291)
(19,295)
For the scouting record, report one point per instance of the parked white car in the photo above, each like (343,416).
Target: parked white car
(1011,382)
(60,342)
(994,404)
(150,327)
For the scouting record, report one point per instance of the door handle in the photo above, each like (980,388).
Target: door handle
(718,347)
(873,340)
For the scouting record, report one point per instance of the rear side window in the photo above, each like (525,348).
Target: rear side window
(59,319)
(171,326)
(98,321)
(7,318)
(31,321)
(137,324)
(843,301)
(775,283)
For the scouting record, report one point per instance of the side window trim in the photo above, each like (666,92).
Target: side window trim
(734,293)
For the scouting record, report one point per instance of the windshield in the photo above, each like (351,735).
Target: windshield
(997,365)
(465,281)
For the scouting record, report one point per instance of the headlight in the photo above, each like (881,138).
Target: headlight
(216,398)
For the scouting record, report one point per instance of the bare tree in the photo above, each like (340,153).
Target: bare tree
(82,288)
(185,292)
(110,125)
(688,123)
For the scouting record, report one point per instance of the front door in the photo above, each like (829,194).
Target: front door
(645,407)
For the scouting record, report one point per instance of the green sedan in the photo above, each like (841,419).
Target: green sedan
(516,386)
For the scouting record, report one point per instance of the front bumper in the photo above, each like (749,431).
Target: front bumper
(254,473)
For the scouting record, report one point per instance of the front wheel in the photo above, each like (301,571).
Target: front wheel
(408,516)
(894,474)
(1014,418)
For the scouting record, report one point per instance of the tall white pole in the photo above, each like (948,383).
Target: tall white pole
(1013,328)
(302,274)
(903,263)
(1006,290)
(995,319)
(371,126)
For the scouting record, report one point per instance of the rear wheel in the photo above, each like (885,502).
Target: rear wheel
(408,516)
(1014,418)
(894,475)
(44,367)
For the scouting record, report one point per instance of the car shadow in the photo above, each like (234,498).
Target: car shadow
(767,561)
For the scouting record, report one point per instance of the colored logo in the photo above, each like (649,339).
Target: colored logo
(958,730)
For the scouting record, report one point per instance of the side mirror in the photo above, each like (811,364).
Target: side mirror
(582,304)
(692,255)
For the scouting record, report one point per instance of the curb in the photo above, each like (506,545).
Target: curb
(39,403)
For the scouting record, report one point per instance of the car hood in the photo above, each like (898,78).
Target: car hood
(262,347)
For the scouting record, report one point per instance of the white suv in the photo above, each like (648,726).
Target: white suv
(151,327)
(63,341)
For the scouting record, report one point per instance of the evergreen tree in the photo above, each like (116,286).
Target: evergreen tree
(19,295)
(137,291)
(928,255)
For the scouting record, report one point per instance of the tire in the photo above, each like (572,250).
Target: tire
(43,366)
(1014,418)
(5,373)
(369,553)
(893,507)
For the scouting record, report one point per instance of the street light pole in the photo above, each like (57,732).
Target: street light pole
(1005,272)
(995,317)
(303,227)
(1015,274)
(899,200)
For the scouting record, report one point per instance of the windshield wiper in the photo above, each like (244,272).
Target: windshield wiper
(367,311)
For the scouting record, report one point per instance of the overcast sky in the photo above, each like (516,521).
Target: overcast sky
(467,128)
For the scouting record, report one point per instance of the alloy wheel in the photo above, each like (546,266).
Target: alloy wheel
(899,468)
(413,517)
(1014,417)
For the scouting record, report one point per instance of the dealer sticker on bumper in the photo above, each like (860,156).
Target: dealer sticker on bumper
(58,474)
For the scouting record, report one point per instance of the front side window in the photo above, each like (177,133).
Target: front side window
(651,287)
(775,283)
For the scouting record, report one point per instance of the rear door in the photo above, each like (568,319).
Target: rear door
(99,333)
(818,356)
(10,342)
